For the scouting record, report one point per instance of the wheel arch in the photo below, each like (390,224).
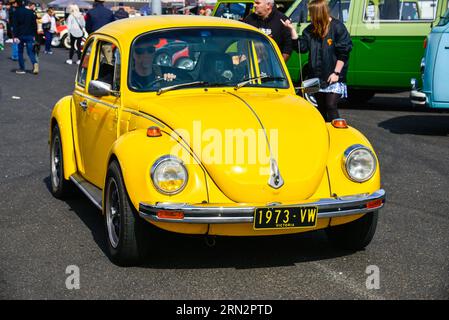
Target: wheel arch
(136,153)
(62,117)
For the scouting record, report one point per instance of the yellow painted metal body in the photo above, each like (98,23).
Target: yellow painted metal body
(308,151)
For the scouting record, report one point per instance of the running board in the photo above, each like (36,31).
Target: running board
(92,192)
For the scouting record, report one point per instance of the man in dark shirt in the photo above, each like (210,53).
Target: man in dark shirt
(24,29)
(98,17)
(268,20)
(121,13)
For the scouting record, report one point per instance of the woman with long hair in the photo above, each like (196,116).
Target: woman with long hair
(75,26)
(328,42)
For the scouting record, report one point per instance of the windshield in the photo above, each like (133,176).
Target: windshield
(444,19)
(208,57)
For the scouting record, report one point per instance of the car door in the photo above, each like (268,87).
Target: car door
(441,71)
(388,42)
(97,123)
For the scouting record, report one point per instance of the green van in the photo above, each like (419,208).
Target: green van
(388,40)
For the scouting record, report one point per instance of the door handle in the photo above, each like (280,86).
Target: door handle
(83,105)
(368,39)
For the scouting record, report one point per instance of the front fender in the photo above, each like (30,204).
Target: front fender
(340,140)
(136,153)
(61,115)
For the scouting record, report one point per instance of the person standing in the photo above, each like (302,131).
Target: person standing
(24,29)
(15,44)
(329,44)
(49,27)
(75,26)
(98,17)
(121,13)
(268,20)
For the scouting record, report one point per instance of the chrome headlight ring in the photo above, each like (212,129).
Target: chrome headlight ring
(364,158)
(168,162)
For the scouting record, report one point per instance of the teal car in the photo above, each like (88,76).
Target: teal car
(435,69)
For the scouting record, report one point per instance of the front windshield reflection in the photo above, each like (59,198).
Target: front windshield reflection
(212,57)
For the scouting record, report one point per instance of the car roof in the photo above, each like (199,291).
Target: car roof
(127,29)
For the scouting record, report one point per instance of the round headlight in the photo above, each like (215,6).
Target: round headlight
(169,175)
(360,163)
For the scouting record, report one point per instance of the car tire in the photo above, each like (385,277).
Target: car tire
(125,230)
(355,235)
(60,187)
(65,41)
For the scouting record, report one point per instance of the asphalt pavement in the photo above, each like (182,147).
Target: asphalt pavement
(41,236)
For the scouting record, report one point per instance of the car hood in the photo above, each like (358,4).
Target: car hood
(232,134)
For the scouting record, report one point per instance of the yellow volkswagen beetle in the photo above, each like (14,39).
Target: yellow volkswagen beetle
(192,124)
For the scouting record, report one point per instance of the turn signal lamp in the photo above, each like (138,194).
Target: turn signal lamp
(154,132)
(164,214)
(374,204)
(339,123)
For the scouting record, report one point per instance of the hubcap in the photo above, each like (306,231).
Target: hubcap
(113,213)
(56,168)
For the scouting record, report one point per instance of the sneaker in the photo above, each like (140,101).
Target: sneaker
(50,52)
(20,71)
(69,61)
(78,62)
(36,68)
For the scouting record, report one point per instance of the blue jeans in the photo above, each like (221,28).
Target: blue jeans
(48,38)
(15,51)
(28,42)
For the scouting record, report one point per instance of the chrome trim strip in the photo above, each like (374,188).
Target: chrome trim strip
(84,190)
(327,208)
(275,180)
(96,100)
(146,116)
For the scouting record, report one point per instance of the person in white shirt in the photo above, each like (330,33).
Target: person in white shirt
(49,27)
(75,26)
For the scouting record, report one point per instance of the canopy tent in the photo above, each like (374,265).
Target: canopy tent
(65,3)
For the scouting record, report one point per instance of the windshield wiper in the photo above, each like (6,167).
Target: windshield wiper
(179,85)
(264,77)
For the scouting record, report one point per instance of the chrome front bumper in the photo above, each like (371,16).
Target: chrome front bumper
(416,96)
(199,213)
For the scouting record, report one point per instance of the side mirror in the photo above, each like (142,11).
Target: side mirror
(311,85)
(99,88)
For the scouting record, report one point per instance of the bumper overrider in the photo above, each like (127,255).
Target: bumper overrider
(215,214)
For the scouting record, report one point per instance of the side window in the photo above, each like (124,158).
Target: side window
(399,10)
(83,67)
(234,11)
(108,59)
(300,14)
(339,9)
